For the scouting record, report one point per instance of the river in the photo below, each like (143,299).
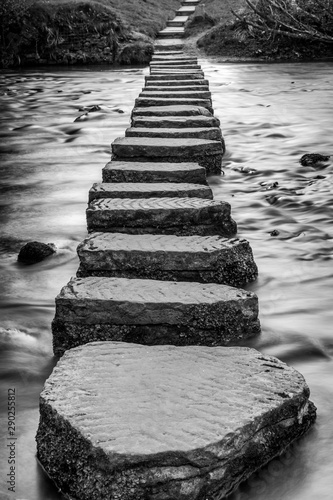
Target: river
(271,114)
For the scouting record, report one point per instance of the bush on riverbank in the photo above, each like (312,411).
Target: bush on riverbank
(80,31)
(273,29)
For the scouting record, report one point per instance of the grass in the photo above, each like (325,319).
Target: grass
(145,16)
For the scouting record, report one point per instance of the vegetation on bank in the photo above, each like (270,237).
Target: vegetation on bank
(270,29)
(80,31)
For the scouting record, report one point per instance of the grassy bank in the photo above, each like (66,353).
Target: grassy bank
(80,31)
(261,34)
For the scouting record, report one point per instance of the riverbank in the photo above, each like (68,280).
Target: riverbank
(69,32)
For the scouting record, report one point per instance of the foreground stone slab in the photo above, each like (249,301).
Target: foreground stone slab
(207,153)
(174,101)
(148,190)
(210,259)
(121,171)
(181,122)
(173,60)
(214,134)
(181,216)
(152,312)
(129,422)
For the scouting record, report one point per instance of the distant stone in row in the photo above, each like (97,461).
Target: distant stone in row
(149,190)
(180,216)
(131,422)
(172,121)
(179,82)
(152,312)
(121,171)
(174,101)
(214,134)
(211,259)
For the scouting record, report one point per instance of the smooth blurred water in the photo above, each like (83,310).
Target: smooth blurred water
(270,115)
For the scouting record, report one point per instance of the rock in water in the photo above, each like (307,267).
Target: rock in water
(35,251)
(131,422)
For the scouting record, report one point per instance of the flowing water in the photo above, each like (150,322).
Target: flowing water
(270,115)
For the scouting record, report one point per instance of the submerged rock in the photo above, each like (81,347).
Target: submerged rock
(132,422)
(311,159)
(35,251)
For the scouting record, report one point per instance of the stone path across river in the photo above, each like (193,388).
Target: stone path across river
(145,404)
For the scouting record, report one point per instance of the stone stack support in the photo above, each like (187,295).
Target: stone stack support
(149,400)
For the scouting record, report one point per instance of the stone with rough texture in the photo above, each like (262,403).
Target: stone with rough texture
(210,259)
(35,251)
(181,216)
(169,121)
(121,171)
(148,190)
(176,76)
(162,111)
(176,89)
(172,94)
(123,421)
(173,101)
(176,83)
(210,133)
(206,152)
(152,312)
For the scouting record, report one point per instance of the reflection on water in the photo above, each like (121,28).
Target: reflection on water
(271,115)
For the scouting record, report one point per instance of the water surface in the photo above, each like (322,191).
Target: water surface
(270,115)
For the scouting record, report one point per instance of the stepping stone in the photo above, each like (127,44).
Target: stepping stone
(214,134)
(177,71)
(171,33)
(176,76)
(158,66)
(169,53)
(178,21)
(211,259)
(199,94)
(180,110)
(182,122)
(174,89)
(176,83)
(173,101)
(205,152)
(148,190)
(180,216)
(186,10)
(132,422)
(122,171)
(173,61)
(152,312)
(169,44)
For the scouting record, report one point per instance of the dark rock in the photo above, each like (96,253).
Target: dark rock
(275,232)
(35,251)
(311,159)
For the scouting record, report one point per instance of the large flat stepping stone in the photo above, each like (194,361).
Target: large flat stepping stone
(182,122)
(176,65)
(202,133)
(206,152)
(211,259)
(178,21)
(171,32)
(176,88)
(181,216)
(175,83)
(187,10)
(131,422)
(173,101)
(171,94)
(180,110)
(162,422)
(184,75)
(173,58)
(121,171)
(152,312)
(171,44)
(176,71)
(148,190)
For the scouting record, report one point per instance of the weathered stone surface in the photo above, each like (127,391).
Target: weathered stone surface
(185,88)
(175,83)
(121,171)
(173,101)
(148,190)
(169,44)
(171,94)
(181,122)
(176,76)
(188,73)
(162,111)
(210,259)
(131,422)
(173,60)
(177,65)
(131,147)
(177,21)
(181,216)
(35,251)
(152,312)
(187,10)
(207,153)
(171,32)
(214,134)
